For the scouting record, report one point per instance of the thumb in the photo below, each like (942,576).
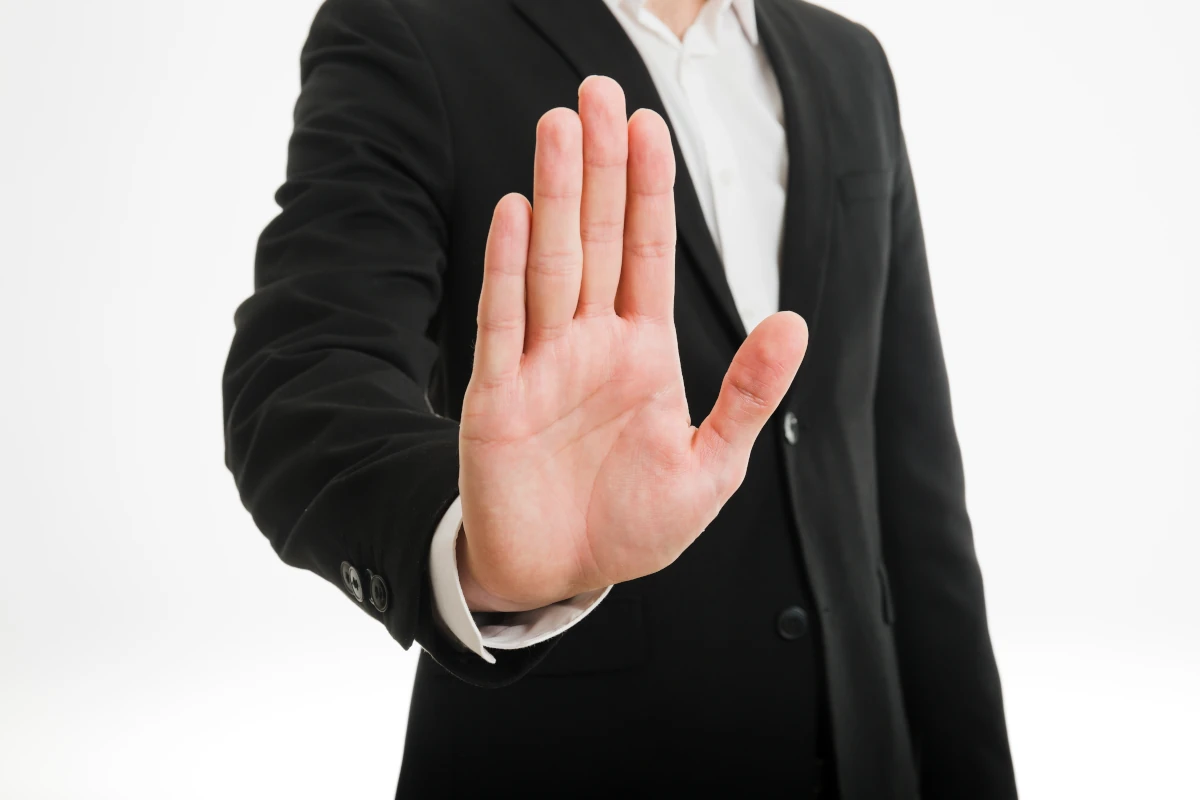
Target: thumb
(761,372)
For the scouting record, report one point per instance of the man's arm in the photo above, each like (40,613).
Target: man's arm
(951,685)
(576,458)
(329,434)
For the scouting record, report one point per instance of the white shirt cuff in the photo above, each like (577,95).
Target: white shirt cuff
(520,629)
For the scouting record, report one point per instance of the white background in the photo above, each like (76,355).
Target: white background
(151,644)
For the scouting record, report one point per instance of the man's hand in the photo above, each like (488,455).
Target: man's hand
(580,467)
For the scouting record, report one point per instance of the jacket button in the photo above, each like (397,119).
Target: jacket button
(790,426)
(379,594)
(793,623)
(351,580)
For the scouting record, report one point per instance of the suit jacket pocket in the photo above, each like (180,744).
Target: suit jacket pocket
(612,637)
(858,186)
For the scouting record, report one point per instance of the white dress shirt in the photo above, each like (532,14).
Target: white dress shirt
(724,105)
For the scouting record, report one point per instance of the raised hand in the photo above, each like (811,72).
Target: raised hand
(580,467)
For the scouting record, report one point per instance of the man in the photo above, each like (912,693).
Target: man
(475,414)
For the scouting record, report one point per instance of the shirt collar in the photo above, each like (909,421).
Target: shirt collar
(745,14)
(744,9)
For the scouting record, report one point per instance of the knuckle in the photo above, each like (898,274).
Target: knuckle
(506,324)
(549,331)
(555,262)
(601,231)
(715,443)
(752,392)
(649,319)
(605,156)
(569,193)
(651,249)
(593,308)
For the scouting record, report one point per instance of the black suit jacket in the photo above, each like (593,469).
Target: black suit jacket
(350,361)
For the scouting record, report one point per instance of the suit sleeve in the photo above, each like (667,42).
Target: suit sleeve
(951,684)
(329,434)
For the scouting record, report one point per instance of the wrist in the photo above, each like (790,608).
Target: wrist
(478,598)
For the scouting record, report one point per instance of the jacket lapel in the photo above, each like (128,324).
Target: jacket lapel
(808,211)
(594,43)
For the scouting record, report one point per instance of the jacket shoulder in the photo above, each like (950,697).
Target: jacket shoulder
(841,43)
(845,35)
(849,54)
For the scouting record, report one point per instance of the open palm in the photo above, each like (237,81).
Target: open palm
(580,467)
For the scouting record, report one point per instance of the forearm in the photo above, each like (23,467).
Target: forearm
(329,434)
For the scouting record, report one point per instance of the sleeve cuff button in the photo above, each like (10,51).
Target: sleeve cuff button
(352,582)
(379,594)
